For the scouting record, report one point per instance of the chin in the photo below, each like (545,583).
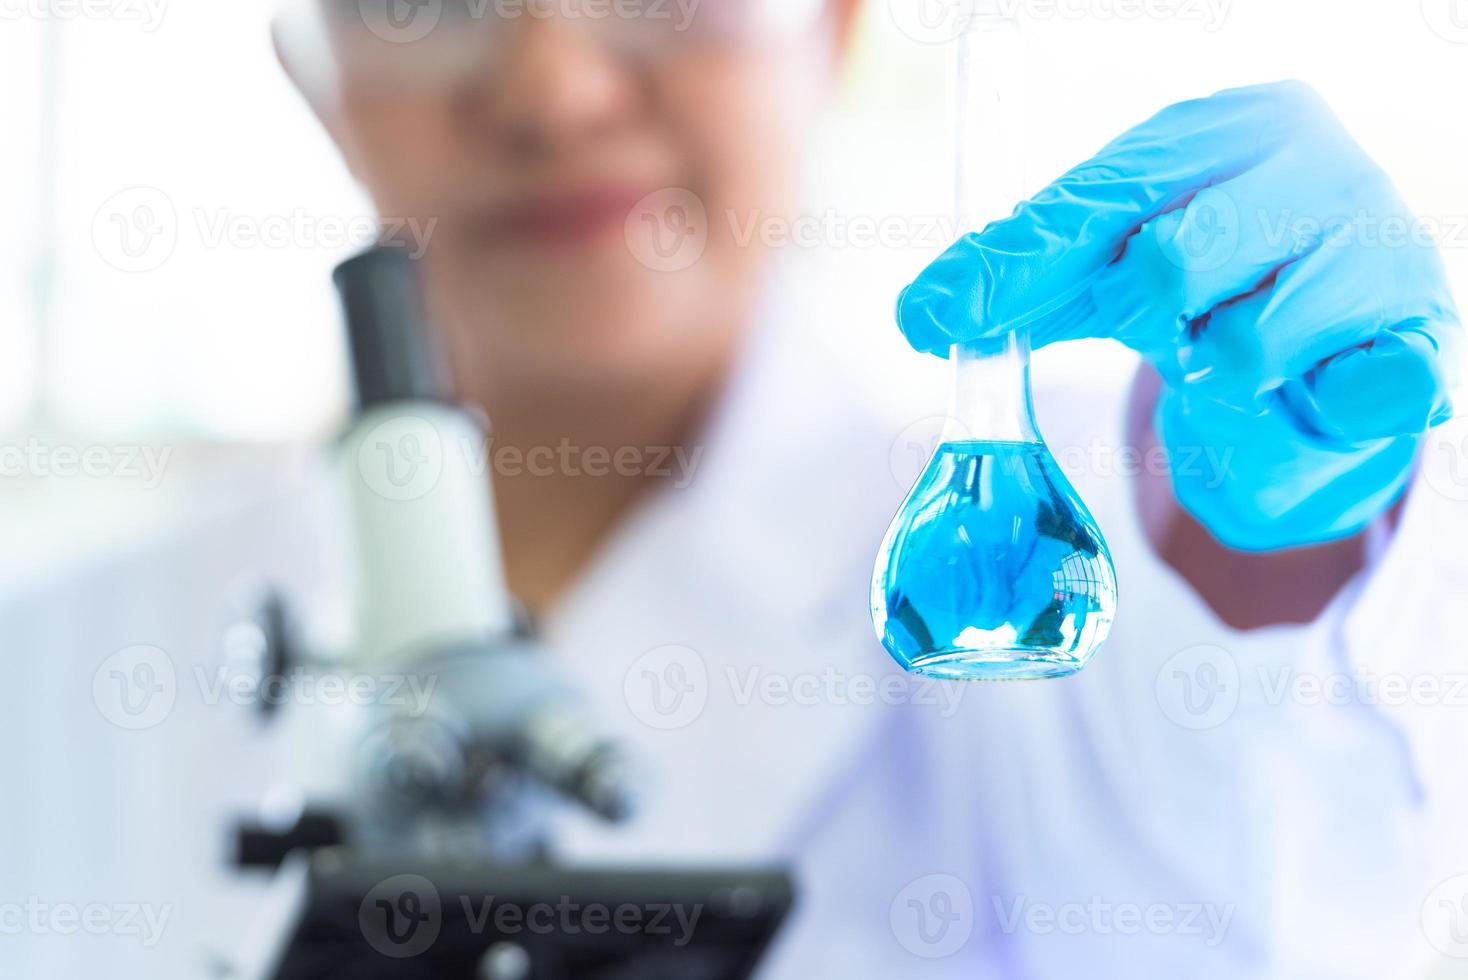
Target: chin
(600,329)
(592,315)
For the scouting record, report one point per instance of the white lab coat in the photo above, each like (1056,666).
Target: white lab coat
(1096,826)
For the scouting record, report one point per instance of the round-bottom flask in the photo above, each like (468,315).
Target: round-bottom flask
(993,569)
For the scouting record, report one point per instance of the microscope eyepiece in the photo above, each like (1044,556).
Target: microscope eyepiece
(395,355)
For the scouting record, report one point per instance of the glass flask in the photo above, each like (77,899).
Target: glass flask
(993,568)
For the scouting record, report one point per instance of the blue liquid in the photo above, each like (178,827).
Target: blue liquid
(993,569)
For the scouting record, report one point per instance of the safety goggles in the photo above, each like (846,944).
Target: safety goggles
(432,40)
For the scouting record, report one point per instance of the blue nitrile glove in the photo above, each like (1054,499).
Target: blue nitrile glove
(1248,248)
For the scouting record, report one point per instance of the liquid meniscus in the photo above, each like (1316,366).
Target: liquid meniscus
(993,569)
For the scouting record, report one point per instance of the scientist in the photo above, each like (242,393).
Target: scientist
(1182,808)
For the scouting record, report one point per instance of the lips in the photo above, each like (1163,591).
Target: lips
(567,219)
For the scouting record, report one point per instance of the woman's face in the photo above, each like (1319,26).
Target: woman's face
(585,179)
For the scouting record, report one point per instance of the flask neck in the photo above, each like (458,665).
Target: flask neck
(991,391)
(991,378)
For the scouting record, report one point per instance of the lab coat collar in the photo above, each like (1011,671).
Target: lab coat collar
(792,476)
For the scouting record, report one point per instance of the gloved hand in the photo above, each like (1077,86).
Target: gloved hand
(1248,248)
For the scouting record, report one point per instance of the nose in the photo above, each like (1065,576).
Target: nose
(553,86)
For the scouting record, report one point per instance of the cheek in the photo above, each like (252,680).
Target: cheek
(735,115)
(405,151)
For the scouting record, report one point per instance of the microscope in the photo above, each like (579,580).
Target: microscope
(417,842)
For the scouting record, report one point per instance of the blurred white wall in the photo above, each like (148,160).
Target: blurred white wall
(180,150)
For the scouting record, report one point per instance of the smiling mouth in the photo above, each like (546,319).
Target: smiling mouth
(568,220)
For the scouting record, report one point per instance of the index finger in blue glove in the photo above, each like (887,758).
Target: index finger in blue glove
(1038,263)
